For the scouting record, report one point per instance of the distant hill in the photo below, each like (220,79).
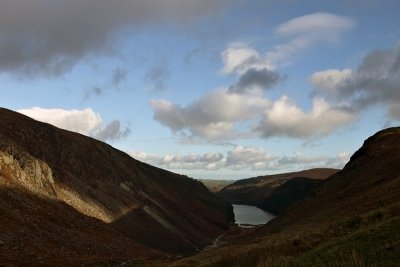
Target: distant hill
(215,185)
(351,219)
(66,197)
(254,191)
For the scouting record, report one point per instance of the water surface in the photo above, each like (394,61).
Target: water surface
(251,215)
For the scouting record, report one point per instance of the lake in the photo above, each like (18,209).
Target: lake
(251,215)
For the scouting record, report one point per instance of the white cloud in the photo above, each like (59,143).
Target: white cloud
(249,157)
(219,114)
(306,31)
(208,161)
(84,121)
(213,117)
(321,25)
(240,58)
(299,34)
(339,161)
(287,119)
(329,80)
(80,121)
(302,161)
(168,114)
(376,81)
(111,131)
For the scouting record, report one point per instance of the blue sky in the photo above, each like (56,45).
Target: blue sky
(212,89)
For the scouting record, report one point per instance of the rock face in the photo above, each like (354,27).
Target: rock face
(151,207)
(254,191)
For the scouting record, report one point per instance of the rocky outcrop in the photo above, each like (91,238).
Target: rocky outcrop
(19,167)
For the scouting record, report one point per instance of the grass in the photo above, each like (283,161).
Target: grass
(375,245)
(368,240)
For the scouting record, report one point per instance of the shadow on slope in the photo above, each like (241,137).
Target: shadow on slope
(289,194)
(35,231)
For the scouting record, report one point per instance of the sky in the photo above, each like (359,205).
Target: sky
(212,89)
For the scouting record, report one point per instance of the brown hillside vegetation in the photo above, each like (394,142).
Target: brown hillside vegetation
(64,196)
(216,185)
(353,219)
(254,191)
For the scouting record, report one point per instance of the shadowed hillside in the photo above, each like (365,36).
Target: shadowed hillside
(145,205)
(289,193)
(254,191)
(370,180)
(351,219)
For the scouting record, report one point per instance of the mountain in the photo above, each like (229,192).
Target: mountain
(369,181)
(289,193)
(351,219)
(254,191)
(65,195)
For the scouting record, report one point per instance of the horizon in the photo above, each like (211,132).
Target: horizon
(220,90)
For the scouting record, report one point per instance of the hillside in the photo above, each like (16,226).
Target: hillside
(59,187)
(254,191)
(369,181)
(352,219)
(289,193)
(215,185)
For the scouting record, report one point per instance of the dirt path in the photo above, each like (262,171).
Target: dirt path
(217,243)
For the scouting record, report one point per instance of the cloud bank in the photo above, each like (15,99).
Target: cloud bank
(241,158)
(50,37)
(286,119)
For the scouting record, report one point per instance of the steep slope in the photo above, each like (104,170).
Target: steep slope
(150,206)
(370,180)
(254,191)
(289,193)
(352,219)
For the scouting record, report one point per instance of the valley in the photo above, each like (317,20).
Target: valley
(68,200)
(351,219)
(199,133)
